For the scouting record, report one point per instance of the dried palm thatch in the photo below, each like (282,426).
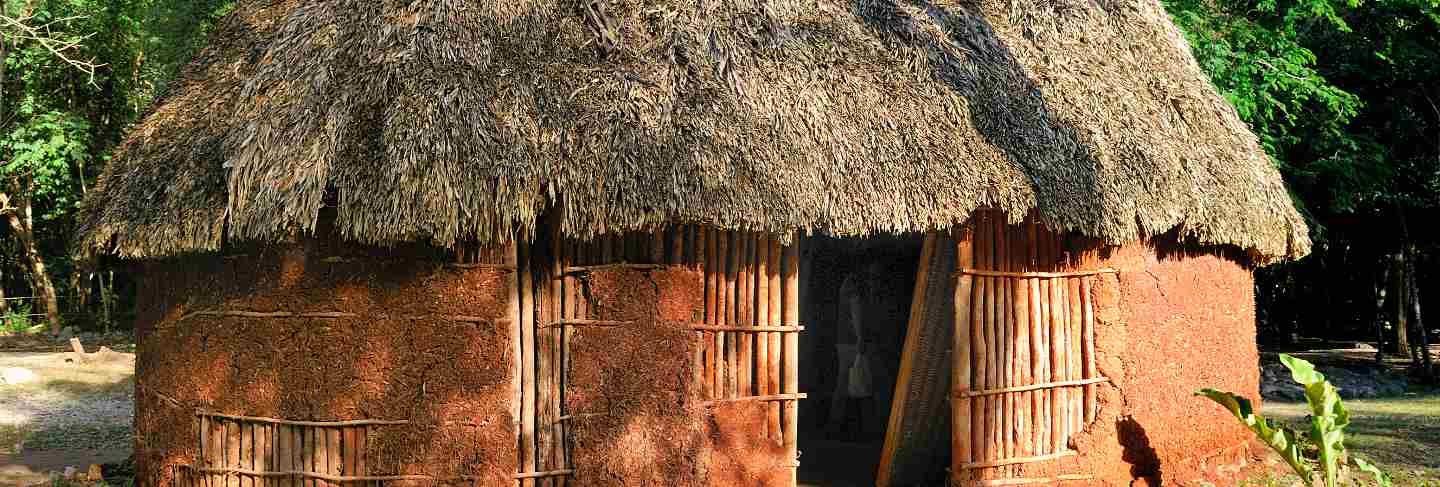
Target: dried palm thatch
(449,120)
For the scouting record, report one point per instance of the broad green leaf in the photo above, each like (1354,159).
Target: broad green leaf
(1277,437)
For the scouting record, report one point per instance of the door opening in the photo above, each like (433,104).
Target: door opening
(855,298)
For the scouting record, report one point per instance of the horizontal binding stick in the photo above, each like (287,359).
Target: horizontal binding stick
(766,398)
(273,314)
(308,475)
(468,265)
(257,419)
(1041,480)
(1032,387)
(577,322)
(1037,275)
(550,473)
(1019,460)
(569,417)
(752,329)
(579,269)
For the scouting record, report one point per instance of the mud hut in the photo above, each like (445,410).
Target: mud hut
(559,243)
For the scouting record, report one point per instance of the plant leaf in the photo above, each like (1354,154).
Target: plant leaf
(1278,438)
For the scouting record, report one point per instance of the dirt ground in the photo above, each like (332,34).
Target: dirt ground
(58,412)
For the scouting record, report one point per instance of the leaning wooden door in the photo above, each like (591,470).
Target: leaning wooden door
(1025,374)
(594,312)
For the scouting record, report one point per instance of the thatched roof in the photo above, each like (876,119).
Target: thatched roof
(450,120)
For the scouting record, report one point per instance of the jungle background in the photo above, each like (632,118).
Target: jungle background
(1344,96)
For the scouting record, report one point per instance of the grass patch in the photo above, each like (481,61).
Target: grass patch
(1401,434)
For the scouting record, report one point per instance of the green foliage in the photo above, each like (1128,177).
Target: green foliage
(16,320)
(1281,439)
(1326,438)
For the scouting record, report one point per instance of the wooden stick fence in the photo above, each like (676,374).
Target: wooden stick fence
(1024,374)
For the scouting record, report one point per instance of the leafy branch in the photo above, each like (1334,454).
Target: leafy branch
(20,28)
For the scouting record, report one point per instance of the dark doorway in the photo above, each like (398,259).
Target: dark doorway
(855,302)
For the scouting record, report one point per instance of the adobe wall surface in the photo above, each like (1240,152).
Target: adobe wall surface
(641,418)
(397,358)
(1167,325)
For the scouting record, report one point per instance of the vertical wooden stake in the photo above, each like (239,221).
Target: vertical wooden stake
(1020,361)
(1005,403)
(1041,309)
(772,366)
(1088,335)
(791,357)
(544,319)
(557,337)
(961,442)
(745,281)
(1077,315)
(1057,350)
(527,361)
(762,318)
(726,299)
(707,343)
(978,339)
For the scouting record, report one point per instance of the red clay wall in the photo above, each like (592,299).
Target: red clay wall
(1168,326)
(399,358)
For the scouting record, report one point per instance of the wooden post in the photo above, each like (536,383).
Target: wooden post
(726,299)
(1057,350)
(1077,316)
(1020,298)
(791,357)
(978,339)
(1037,359)
(540,259)
(961,442)
(1041,310)
(705,351)
(1088,334)
(762,318)
(527,373)
(1005,402)
(736,311)
(745,281)
(773,362)
(556,344)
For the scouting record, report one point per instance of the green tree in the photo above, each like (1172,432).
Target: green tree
(73,75)
(1343,95)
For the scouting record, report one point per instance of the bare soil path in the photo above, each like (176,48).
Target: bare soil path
(58,411)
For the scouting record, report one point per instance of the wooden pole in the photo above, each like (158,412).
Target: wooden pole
(1041,310)
(1005,403)
(978,339)
(994,447)
(732,312)
(1058,426)
(762,312)
(773,362)
(1077,317)
(706,349)
(744,360)
(557,356)
(1020,297)
(527,360)
(1088,322)
(961,442)
(722,279)
(791,355)
(544,318)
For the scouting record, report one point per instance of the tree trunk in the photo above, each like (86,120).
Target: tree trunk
(1402,313)
(4,303)
(1426,367)
(19,216)
(1381,286)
